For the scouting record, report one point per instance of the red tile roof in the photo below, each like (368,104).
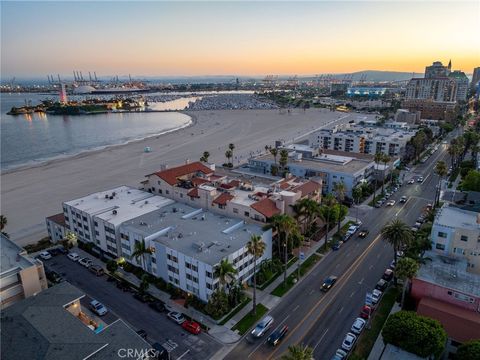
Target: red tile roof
(171,175)
(223,199)
(199,181)
(460,324)
(193,193)
(308,188)
(284,185)
(227,186)
(266,207)
(58,219)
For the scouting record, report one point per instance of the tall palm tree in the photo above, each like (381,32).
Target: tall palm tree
(327,212)
(274,224)
(3,222)
(225,272)
(231,147)
(405,270)
(205,156)
(274,152)
(398,234)
(287,226)
(255,247)
(377,158)
(298,352)
(357,193)
(441,171)
(283,158)
(139,252)
(228,155)
(385,160)
(306,210)
(342,212)
(340,189)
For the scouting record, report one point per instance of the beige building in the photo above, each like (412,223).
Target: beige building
(20,276)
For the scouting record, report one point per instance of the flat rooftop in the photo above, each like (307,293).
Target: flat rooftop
(200,234)
(10,258)
(128,202)
(449,272)
(40,327)
(455,217)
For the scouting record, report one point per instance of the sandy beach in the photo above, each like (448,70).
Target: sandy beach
(28,195)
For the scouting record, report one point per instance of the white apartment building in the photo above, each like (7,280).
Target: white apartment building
(436,89)
(462,84)
(188,243)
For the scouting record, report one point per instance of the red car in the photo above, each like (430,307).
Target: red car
(366,312)
(192,326)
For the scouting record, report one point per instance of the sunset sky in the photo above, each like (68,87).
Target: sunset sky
(241,38)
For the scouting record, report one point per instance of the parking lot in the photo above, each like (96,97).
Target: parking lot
(135,313)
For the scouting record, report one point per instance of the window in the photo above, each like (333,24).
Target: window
(194,268)
(247,213)
(464,238)
(209,286)
(167,192)
(442,234)
(84,218)
(160,191)
(235,210)
(154,260)
(195,279)
(189,277)
(181,195)
(159,183)
(209,274)
(188,265)
(440,246)
(96,223)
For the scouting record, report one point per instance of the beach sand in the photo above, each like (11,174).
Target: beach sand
(31,194)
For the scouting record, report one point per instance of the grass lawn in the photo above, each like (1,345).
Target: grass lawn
(249,320)
(367,338)
(281,290)
(235,311)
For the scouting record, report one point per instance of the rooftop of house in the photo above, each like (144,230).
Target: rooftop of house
(40,327)
(456,217)
(449,272)
(172,175)
(119,204)
(200,234)
(58,219)
(13,257)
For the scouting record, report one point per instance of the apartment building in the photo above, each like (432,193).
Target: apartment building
(436,89)
(433,110)
(462,84)
(20,276)
(56,226)
(189,243)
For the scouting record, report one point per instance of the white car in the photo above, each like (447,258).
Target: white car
(390,202)
(376,295)
(411,181)
(177,317)
(339,355)
(98,308)
(73,256)
(348,342)
(262,326)
(358,326)
(45,255)
(85,262)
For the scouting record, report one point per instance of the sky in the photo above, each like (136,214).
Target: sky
(180,38)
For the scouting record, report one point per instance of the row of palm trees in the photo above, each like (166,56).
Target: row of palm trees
(380,158)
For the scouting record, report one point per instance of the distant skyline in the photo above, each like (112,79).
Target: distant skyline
(235,38)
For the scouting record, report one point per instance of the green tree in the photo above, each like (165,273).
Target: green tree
(357,194)
(231,147)
(340,190)
(328,213)
(139,252)
(3,224)
(274,152)
(385,160)
(397,234)
(418,142)
(416,334)
(306,211)
(442,171)
(70,240)
(471,182)
(228,155)
(112,266)
(225,272)
(274,225)
(287,226)
(377,158)
(342,211)
(217,304)
(205,156)
(298,352)
(469,351)
(405,270)
(144,284)
(256,248)
(283,158)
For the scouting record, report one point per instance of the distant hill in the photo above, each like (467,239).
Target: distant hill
(375,75)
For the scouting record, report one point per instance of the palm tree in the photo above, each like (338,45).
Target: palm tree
(406,269)
(306,209)
(377,158)
(70,240)
(228,155)
(340,189)
(255,247)
(298,352)
(205,156)
(287,227)
(327,212)
(3,222)
(385,160)
(283,158)
(342,212)
(357,193)
(274,152)
(140,250)
(441,171)
(231,147)
(398,234)
(225,272)
(274,224)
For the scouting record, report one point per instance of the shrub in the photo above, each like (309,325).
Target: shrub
(217,305)
(112,266)
(469,351)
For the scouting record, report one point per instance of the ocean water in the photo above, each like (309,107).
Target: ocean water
(30,139)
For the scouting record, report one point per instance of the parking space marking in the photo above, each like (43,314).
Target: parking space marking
(351,295)
(341,310)
(319,341)
(185,353)
(296,308)
(361,281)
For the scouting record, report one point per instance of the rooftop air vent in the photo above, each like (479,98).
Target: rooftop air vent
(106,196)
(143,223)
(114,212)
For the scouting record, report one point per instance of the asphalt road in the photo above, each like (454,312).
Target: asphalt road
(138,315)
(321,320)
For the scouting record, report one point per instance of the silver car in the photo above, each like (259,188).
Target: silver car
(262,326)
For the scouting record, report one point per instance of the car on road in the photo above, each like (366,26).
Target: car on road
(363,233)
(328,283)
(387,195)
(262,327)
(339,355)
(45,255)
(411,181)
(403,199)
(387,275)
(73,256)
(379,204)
(177,317)
(420,179)
(192,327)
(390,202)
(400,253)
(392,265)
(376,295)
(54,251)
(381,285)
(96,269)
(366,312)
(348,341)
(85,262)
(98,308)
(143,297)
(358,326)
(277,335)
(142,334)
(337,245)
(157,306)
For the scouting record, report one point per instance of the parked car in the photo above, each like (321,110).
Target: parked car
(358,326)
(390,202)
(98,308)
(366,312)
(157,306)
(411,181)
(420,179)
(328,283)
(96,269)
(54,251)
(73,256)
(143,297)
(381,285)
(45,255)
(53,276)
(400,253)
(392,264)
(262,326)
(376,295)
(142,334)
(363,233)
(379,204)
(348,341)
(85,262)
(337,245)
(192,327)
(387,275)
(403,199)
(123,285)
(177,317)
(339,355)
(277,335)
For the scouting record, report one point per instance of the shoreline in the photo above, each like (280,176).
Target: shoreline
(86,152)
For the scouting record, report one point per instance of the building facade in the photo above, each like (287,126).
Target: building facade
(437,69)
(433,110)
(475,77)
(462,84)
(435,89)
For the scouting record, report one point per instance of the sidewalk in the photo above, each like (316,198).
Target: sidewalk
(379,346)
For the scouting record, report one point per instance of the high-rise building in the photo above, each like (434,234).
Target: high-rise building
(436,89)
(437,69)
(462,84)
(475,77)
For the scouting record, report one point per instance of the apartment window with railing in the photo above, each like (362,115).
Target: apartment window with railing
(442,234)
(464,238)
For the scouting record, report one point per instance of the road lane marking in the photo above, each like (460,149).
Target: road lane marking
(296,308)
(319,341)
(341,310)
(185,353)
(361,281)
(351,295)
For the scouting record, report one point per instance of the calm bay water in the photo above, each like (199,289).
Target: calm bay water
(29,139)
